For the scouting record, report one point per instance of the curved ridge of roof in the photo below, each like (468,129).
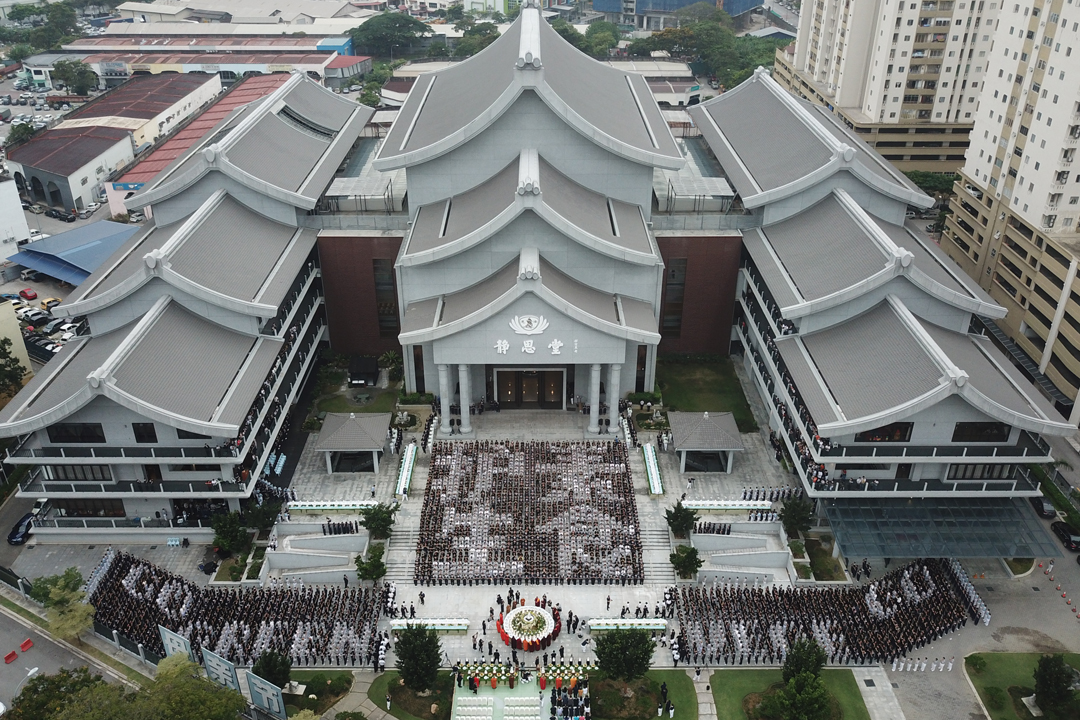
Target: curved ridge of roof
(454,312)
(449,227)
(613,108)
(816,145)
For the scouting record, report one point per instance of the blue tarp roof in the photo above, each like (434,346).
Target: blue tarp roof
(71,256)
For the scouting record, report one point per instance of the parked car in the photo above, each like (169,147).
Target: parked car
(28,294)
(37,316)
(41,507)
(21,532)
(1068,535)
(933,228)
(136,217)
(68,217)
(36,209)
(54,326)
(50,303)
(1043,507)
(11,296)
(92,207)
(52,212)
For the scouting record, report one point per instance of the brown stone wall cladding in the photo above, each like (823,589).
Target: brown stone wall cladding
(712,268)
(349,284)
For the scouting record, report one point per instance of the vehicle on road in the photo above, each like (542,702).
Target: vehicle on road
(20,533)
(28,294)
(1068,535)
(1043,507)
(36,209)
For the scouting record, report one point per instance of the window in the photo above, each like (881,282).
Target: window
(77,472)
(897,432)
(386,298)
(89,508)
(674,289)
(144,432)
(185,435)
(981,432)
(982,472)
(76,433)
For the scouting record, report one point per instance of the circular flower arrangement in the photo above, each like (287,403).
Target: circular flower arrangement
(529,623)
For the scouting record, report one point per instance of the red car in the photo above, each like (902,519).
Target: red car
(28,294)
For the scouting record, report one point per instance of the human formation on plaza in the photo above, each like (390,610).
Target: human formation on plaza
(529,512)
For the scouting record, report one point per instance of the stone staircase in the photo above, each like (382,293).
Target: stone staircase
(655,552)
(400,557)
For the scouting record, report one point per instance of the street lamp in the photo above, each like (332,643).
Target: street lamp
(392,54)
(29,674)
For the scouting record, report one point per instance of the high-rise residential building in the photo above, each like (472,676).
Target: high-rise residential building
(1014,221)
(904,75)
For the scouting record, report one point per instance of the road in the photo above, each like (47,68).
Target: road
(47,656)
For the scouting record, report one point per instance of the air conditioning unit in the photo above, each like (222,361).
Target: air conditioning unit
(997,235)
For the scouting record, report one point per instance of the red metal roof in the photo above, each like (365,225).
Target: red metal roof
(65,150)
(209,59)
(242,93)
(344,61)
(142,97)
(190,44)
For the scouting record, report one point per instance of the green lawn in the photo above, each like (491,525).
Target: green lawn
(729,687)
(824,565)
(704,387)
(680,691)
(1004,670)
(405,700)
(383,402)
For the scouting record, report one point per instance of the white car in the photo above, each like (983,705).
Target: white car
(93,207)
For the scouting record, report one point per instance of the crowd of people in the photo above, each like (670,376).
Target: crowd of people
(312,625)
(772,494)
(499,511)
(886,619)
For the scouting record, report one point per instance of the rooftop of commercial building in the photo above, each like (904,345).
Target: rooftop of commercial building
(62,151)
(143,97)
(193,44)
(229,58)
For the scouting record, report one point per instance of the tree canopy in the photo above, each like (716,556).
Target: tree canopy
(418,655)
(686,561)
(681,519)
(625,654)
(805,697)
(69,581)
(477,36)
(69,617)
(804,656)
(932,183)
(12,371)
(379,520)
(385,32)
(19,52)
(44,696)
(230,531)
(25,11)
(17,134)
(1052,681)
(373,567)
(273,667)
(797,515)
(76,74)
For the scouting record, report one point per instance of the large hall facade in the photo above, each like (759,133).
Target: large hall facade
(540,239)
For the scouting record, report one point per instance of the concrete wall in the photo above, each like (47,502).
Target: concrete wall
(349,284)
(708,542)
(712,267)
(753,559)
(164,122)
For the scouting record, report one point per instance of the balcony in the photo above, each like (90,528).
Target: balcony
(66,523)
(62,455)
(297,292)
(1031,447)
(59,489)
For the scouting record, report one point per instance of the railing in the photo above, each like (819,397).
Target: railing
(405,471)
(113,452)
(1020,483)
(123,523)
(652,469)
(782,326)
(294,295)
(1021,450)
(50,487)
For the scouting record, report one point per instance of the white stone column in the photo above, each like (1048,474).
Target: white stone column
(594,399)
(444,398)
(375,460)
(613,395)
(329,464)
(464,372)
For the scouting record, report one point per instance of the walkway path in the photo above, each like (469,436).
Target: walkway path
(706,707)
(877,693)
(358,701)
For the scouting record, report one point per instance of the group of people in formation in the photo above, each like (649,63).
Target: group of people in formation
(503,511)
(881,621)
(313,625)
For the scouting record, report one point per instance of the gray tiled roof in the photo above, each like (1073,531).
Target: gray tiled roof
(443,102)
(458,95)
(124,260)
(775,145)
(64,375)
(872,363)
(313,103)
(994,380)
(638,314)
(461,304)
(588,210)
(825,250)
(595,302)
(813,395)
(468,211)
(278,152)
(233,251)
(183,364)
(353,432)
(871,160)
(419,315)
(771,272)
(933,261)
(247,383)
(704,431)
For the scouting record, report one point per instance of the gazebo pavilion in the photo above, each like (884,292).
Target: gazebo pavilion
(346,439)
(708,441)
